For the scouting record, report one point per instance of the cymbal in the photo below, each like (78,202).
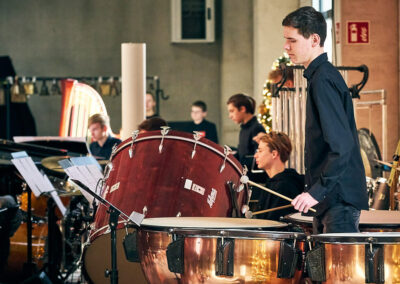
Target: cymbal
(386,164)
(51,163)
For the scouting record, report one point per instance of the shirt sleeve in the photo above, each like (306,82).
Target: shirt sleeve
(336,134)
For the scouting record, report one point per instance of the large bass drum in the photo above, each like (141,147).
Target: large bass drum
(219,250)
(164,174)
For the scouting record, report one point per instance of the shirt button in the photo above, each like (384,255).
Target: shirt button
(306,185)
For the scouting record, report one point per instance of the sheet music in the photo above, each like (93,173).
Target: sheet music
(37,181)
(86,170)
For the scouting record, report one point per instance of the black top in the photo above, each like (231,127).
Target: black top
(333,165)
(288,183)
(105,151)
(207,128)
(247,146)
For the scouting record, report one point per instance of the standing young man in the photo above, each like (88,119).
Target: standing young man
(241,110)
(199,123)
(335,178)
(99,127)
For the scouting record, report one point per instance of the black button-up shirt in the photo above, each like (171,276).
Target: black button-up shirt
(105,151)
(334,169)
(247,146)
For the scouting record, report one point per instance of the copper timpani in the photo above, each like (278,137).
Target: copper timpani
(219,250)
(369,257)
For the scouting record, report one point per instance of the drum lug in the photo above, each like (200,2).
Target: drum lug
(288,259)
(130,247)
(315,263)
(164,132)
(224,258)
(134,136)
(196,137)
(227,151)
(374,263)
(175,255)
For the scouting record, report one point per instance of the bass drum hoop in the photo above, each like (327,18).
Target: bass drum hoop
(123,145)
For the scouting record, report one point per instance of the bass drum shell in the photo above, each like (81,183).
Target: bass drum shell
(256,253)
(170,183)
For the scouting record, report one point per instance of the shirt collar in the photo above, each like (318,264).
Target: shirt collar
(249,123)
(314,65)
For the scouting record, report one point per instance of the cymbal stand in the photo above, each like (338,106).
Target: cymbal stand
(29,267)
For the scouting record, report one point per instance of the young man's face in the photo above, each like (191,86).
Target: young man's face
(236,114)
(197,114)
(97,131)
(264,156)
(297,47)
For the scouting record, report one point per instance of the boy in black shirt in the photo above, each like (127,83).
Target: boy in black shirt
(273,151)
(334,172)
(199,123)
(241,110)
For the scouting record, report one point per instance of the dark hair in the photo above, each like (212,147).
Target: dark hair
(308,21)
(151,124)
(280,142)
(240,100)
(201,105)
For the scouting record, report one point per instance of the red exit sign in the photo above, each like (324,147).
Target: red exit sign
(358,32)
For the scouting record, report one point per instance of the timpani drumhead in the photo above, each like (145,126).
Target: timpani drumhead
(211,223)
(375,219)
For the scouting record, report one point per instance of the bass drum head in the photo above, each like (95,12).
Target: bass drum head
(97,258)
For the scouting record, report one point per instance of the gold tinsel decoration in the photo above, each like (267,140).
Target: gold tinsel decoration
(264,111)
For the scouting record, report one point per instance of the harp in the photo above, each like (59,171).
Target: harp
(79,101)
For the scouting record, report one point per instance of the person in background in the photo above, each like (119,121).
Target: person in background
(273,151)
(103,142)
(207,129)
(151,124)
(150,106)
(241,110)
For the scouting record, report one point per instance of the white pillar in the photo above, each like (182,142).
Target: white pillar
(133,106)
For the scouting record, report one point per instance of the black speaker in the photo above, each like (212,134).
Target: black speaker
(6,67)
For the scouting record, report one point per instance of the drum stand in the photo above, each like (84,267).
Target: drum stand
(113,222)
(29,267)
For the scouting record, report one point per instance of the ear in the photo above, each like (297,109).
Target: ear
(242,109)
(315,40)
(275,154)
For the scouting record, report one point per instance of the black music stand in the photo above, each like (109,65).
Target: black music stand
(114,213)
(6,70)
